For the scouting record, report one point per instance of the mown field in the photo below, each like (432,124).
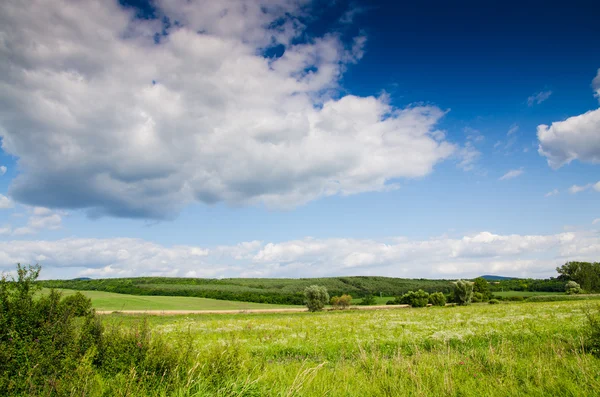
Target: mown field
(509,349)
(111,301)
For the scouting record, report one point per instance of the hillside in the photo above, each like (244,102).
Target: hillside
(261,290)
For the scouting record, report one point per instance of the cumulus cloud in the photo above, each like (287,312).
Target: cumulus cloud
(511,174)
(40,219)
(3,170)
(137,118)
(575,138)
(5,202)
(444,257)
(552,193)
(538,98)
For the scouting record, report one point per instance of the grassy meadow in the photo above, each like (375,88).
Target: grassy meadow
(507,349)
(525,294)
(111,301)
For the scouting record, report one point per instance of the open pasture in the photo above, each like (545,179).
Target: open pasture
(111,301)
(480,350)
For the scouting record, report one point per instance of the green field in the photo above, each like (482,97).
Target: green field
(111,301)
(525,293)
(480,350)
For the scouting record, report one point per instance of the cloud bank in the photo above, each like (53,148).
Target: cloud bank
(442,257)
(134,117)
(575,138)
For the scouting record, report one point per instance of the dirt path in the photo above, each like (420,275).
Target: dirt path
(249,311)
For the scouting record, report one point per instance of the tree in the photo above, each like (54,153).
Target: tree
(463,292)
(483,287)
(419,298)
(572,288)
(368,300)
(345,301)
(437,299)
(586,274)
(315,297)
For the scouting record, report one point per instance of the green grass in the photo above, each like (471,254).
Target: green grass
(525,293)
(533,349)
(378,300)
(111,301)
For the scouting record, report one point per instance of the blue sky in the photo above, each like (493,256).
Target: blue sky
(272,138)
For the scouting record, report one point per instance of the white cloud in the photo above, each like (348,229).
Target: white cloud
(577,189)
(595,221)
(40,219)
(3,170)
(5,202)
(552,193)
(538,98)
(127,127)
(511,174)
(575,138)
(443,257)
(513,129)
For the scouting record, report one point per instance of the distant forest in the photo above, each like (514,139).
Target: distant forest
(288,291)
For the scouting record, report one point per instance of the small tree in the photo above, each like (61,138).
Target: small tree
(345,301)
(572,288)
(437,299)
(419,298)
(463,292)
(335,302)
(315,297)
(367,300)
(483,287)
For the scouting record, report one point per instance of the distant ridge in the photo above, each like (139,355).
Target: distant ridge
(496,278)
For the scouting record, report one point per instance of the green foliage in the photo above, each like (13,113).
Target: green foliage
(316,297)
(437,299)
(586,274)
(341,302)
(273,291)
(493,301)
(463,292)
(368,300)
(481,286)
(46,350)
(593,331)
(572,288)
(418,298)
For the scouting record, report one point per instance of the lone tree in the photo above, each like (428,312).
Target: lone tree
(463,292)
(316,297)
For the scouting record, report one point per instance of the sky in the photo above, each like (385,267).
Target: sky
(298,138)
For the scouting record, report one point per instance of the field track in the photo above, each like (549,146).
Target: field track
(249,311)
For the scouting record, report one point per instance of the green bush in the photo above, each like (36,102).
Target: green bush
(463,292)
(418,298)
(316,297)
(368,300)
(477,297)
(437,299)
(593,331)
(45,350)
(494,301)
(572,288)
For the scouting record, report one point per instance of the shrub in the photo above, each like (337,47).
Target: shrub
(367,300)
(419,298)
(593,331)
(572,288)
(44,351)
(437,299)
(316,297)
(463,292)
(494,301)
(341,302)
(477,297)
